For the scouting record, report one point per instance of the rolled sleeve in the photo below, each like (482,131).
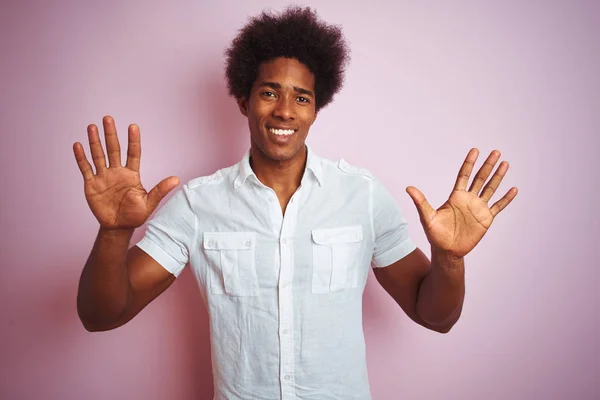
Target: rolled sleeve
(170,233)
(390,228)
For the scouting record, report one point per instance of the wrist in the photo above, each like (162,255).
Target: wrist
(445,258)
(116,233)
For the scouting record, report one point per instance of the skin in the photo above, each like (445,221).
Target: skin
(432,292)
(117,283)
(282,96)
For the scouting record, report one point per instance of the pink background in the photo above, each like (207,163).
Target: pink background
(426,83)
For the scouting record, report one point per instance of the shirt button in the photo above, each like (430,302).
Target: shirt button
(284,241)
(248,243)
(287,377)
(285,331)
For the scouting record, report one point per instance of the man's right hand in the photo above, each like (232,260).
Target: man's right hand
(115,193)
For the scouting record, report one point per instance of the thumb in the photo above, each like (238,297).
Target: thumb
(423,207)
(159,191)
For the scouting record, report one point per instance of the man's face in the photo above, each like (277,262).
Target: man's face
(280,109)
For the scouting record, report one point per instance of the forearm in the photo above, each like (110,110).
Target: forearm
(104,283)
(442,291)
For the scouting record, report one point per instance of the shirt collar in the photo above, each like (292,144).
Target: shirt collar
(313,164)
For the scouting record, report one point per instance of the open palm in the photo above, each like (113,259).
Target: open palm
(115,193)
(462,221)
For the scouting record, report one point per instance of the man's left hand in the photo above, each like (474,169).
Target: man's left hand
(462,221)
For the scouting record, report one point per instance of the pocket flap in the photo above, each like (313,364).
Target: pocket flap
(347,234)
(228,240)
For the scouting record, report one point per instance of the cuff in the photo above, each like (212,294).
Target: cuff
(394,254)
(161,256)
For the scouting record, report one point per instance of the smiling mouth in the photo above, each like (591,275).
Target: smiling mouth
(281,132)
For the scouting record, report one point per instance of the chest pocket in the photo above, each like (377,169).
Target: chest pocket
(336,255)
(231,262)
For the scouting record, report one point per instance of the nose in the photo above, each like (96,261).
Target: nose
(284,109)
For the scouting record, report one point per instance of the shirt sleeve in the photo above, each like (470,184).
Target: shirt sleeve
(170,233)
(390,228)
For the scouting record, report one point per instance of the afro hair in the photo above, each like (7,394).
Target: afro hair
(295,33)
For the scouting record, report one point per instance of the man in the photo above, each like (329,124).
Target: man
(280,243)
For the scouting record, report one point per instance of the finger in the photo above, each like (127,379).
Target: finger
(84,165)
(134,148)
(465,170)
(504,201)
(490,188)
(96,149)
(113,149)
(423,207)
(161,190)
(484,172)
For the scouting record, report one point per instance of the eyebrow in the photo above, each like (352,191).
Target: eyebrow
(276,85)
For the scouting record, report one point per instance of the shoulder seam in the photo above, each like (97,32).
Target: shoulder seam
(215,178)
(349,169)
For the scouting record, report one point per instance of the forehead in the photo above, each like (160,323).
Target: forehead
(287,72)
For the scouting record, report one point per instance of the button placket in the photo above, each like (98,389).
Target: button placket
(286,318)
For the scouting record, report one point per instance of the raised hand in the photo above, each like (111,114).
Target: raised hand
(462,221)
(115,193)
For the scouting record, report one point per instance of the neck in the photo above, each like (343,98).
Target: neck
(281,176)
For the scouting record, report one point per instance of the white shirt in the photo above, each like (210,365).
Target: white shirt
(283,292)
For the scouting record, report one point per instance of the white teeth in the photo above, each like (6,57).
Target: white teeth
(281,132)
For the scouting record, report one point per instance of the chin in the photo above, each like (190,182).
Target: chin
(280,153)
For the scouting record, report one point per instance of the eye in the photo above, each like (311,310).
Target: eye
(303,99)
(268,94)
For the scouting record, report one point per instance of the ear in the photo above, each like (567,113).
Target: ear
(314,117)
(243,105)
